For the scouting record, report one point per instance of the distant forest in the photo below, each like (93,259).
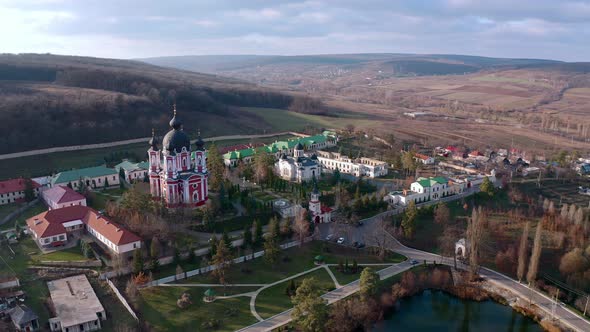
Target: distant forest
(48,101)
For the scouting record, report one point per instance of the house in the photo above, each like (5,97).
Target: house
(424,159)
(92,177)
(330,161)
(23,318)
(76,305)
(9,282)
(13,190)
(56,227)
(62,196)
(133,171)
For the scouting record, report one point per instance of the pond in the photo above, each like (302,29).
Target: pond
(439,311)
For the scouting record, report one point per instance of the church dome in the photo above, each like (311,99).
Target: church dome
(176,139)
(299,146)
(153,141)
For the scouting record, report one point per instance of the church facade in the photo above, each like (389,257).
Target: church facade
(298,168)
(178,176)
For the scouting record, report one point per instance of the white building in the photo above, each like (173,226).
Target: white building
(424,159)
(319,213)
(76,305)
(298,168)
(133,171)
(61,196)
(330,161)
(13,190)
(56,227)
(92,177)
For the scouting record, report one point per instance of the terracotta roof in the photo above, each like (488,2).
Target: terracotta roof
(421,156)
(62,194)
(114,232)
(51,222)
(326,209)
(14,185)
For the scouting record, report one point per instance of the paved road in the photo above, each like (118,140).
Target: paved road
(372,225)
(129,141)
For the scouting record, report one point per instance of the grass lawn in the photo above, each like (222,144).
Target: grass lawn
(35,289)
(274,300)
(70,254)
(170,269)
(118,318)
(347,278)
(6,209)
(235,224)
(258,271)
(21,219)
(158,307)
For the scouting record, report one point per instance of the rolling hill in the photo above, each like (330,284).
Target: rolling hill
(50,100)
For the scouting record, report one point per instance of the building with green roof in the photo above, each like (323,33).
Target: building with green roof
(93,177)
(277,148)
(133,171)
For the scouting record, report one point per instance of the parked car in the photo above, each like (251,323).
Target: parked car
(361,245)
(414,262)
(355,244)
(340,240)
(329,237)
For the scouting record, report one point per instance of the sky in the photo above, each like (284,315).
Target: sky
(546,29)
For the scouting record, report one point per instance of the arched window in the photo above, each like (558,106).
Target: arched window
(195,196)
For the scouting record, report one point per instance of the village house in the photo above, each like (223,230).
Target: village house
(77,307)
(24,319)
(330,161)
(133,171)
(424,159)
(62,196)
(57,227)
(13,191)
(91,177)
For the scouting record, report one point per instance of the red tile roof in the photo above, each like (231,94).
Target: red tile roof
(326,209)
(62,194)
(421,156)
(51,222)
(15,185)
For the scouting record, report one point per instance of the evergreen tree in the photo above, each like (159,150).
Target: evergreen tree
(192,257)
(155,265)
(257,233)
(137,261)
(155,247)
(213,249)
(29,190)
(310,310)
(272,250)
(176,256)
(248,241)
(274,229)
(215,167)
(227,240)
(368,283)
(487,186)
(409,220)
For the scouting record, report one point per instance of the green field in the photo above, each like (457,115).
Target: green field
(22,218)
(274,300)
(158,307)
(283,120)
(70,254)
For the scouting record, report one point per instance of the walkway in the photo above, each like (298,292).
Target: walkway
(130,141)
(562,313)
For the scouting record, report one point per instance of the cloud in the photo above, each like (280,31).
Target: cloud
(141,28)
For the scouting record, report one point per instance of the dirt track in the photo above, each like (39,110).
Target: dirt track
(129,141)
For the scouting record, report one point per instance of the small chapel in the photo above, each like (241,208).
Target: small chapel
(319,213)
(178,175)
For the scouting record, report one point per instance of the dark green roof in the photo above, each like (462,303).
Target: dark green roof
(76,174)
(209,292)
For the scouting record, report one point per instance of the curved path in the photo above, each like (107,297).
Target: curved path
(562,313)
(130,141)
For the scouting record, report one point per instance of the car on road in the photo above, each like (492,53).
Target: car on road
(358,244)
(414,262)
(329,237)
(340,240)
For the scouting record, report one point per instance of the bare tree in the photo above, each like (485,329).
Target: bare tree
(536,254)
(441,213)
(522,251)
(474,236)
(301,226)
(379,238)
(222,261)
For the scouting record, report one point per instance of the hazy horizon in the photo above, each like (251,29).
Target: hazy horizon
(543,29)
